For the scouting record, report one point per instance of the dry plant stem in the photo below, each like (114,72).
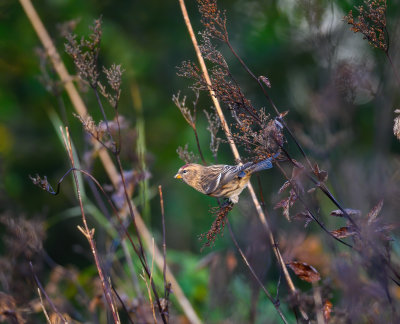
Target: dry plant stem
(393,68)
(123,305)
(103,154)
(273,301)
(164,243)
(158,258)
(198,146)
(318,304)
(102,111)
(141,250)
(151,279)
(89,233)
(43,308)
(40,287)
(236,152)
(207,78)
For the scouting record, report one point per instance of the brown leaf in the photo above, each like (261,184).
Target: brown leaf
(265,80)
(304,271)
(396,125)
(327,310)
(373,214)
(304,216)
(284,204)
(311,190)
(321,174)
(343,232)
(283,114)
(350,212)
(284,186)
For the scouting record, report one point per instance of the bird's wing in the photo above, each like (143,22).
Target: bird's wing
(219,175)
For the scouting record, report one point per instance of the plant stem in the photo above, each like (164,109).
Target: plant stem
(397,77)
(89,233)
(273,301)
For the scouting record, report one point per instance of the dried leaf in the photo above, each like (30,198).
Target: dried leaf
(283,114)
(343,232)
(284,187)
(373,214)
(396,127)
(321,174)
(327,310)
(350,212)
(287,203)
(304,216)
(265,80)
(42,183)
(304,271)
(284,204)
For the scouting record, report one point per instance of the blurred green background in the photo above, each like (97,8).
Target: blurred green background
(340,92)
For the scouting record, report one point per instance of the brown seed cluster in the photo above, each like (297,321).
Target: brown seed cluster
(371,22)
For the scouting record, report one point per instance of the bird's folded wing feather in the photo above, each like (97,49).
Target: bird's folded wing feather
(219,175)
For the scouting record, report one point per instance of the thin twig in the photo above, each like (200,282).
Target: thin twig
(393,68)
(164,243)
(45,294)
(273,301)
(123,304)
(43,308)
(141,254)
(318,304)
(89,233)
(198,146)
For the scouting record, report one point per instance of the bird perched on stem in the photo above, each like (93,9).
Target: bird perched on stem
(221,181)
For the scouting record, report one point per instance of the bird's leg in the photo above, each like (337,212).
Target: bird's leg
(227,202)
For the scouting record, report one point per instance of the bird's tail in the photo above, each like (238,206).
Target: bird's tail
(265,164)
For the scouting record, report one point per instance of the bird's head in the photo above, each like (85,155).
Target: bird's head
(188,173)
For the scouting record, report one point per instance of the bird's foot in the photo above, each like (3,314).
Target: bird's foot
(227,202)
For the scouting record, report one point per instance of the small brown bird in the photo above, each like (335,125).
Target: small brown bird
(221,181)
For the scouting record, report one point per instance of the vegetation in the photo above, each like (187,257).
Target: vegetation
(113,238)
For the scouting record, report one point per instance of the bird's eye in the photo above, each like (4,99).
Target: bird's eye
(184,171)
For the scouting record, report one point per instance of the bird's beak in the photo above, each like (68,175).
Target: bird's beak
(178,176)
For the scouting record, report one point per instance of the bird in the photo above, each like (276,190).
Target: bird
(220,180)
